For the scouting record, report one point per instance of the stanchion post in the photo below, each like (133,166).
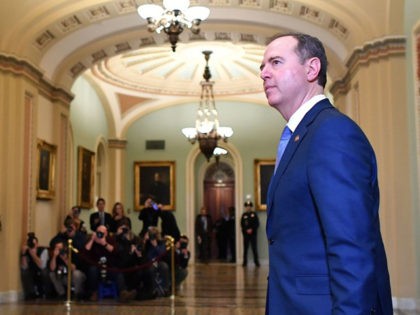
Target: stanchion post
(70,249)
(173,267)
(170,245)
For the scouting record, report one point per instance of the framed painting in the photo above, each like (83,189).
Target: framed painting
(46,170)
(85,177)
(263,170)
(154,180)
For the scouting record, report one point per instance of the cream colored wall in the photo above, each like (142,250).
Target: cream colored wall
(379,107)
(29,110)
(412,29)
(45,211)
(11,184)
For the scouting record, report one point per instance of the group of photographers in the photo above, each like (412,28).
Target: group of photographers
(139,265)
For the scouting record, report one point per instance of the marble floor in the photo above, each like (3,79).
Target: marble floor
(213,289)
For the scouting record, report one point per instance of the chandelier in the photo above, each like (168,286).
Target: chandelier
(173,18)
(207,130)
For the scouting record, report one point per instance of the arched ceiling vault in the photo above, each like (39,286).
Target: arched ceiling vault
(108,42)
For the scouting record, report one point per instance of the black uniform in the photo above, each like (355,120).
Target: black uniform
(249,225)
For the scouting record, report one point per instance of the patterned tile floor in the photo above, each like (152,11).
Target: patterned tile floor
(214,289)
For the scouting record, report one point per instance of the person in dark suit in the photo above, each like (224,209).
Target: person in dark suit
(326,254)
(149,215)
(168,224)
(203,232)
(101,217)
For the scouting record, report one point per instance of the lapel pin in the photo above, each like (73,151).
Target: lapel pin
(297,138)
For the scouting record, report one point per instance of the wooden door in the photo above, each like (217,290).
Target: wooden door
(219,195)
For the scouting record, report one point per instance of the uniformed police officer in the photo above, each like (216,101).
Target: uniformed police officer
(249,225)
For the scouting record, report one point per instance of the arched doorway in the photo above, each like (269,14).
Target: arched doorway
(219,196)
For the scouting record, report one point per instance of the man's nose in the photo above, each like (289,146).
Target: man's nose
(264,73)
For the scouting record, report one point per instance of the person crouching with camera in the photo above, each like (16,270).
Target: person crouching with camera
(128,254)
(155,249)
(58,272)
(34,274)
(100,250)
(182,257)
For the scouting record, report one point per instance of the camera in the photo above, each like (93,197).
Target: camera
(152,236)
(155,206)
(183,245)
(139,247)
(100,234)
(61,271)
(31,238)
(124,230)
(62,251)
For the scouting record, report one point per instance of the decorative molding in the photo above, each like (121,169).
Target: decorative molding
(21,67)
(281,6)
(117,144)
(54,93)
(372,51)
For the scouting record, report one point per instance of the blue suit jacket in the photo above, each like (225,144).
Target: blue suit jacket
(325,246)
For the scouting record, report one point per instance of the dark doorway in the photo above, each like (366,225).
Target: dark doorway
(219,196)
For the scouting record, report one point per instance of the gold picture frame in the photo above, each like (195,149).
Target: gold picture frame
(263,170)
(85,177)
(45,183)
(154,179)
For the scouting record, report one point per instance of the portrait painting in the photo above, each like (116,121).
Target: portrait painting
(263,170)
(46,170)
(85,177)
(155,180)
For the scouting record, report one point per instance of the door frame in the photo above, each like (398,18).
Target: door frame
(191,204)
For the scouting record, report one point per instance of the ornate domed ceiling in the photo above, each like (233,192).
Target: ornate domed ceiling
(158,70)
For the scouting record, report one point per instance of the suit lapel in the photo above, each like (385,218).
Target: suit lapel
(294,142)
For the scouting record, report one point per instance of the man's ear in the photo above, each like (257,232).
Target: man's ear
(313,66)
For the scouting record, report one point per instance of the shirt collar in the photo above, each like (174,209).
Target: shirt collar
(302,110)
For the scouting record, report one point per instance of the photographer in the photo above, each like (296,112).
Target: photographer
(75,216)
(100,250)
(149,215)
(33,264)
(155,252)
(70,231)
(182,257)
(58,270)
(128,254)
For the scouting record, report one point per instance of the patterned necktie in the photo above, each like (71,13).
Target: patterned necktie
(284,139)
(102,216)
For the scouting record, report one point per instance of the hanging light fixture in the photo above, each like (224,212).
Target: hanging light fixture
(207,130)
(173,18)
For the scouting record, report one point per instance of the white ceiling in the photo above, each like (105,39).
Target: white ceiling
(108,42)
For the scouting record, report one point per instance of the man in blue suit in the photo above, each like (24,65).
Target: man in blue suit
(325,247)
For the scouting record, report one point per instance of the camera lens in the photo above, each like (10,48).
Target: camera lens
(100,234)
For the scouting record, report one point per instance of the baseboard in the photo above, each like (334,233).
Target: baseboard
(10,296)
(406,304)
